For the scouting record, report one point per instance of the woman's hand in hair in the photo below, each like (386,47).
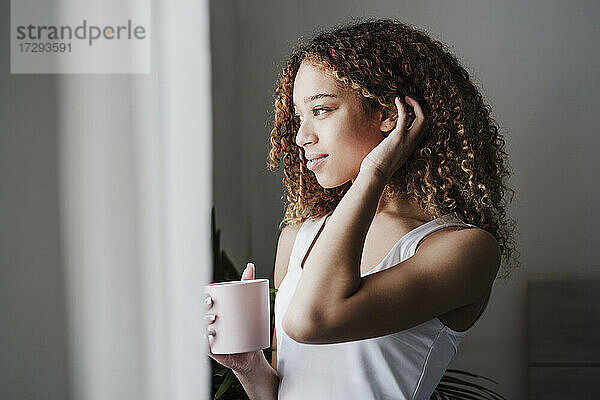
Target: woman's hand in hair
(393,151)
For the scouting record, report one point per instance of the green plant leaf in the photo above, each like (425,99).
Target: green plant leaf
(461,393)
(449,385)
(464,393)
(225,385)
(458,371)
(489,393)
(446,379)
(221,372)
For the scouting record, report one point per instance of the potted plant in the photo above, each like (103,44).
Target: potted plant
(225,385)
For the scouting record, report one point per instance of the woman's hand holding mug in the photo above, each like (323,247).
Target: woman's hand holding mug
(239,362)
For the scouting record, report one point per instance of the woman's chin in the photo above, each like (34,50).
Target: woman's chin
(330,184)
(324,183)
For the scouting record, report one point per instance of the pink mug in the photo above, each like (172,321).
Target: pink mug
(243,311)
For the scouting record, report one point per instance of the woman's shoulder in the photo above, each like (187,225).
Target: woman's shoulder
(291,229)
(469,234)
(285,245)
(470,242)
(287,237)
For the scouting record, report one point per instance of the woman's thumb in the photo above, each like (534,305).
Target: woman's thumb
(248,273)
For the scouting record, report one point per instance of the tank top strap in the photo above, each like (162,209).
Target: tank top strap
(414,237)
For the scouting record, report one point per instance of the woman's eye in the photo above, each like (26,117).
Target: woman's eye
(317,111)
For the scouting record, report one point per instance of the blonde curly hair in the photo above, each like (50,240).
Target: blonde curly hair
(459,166)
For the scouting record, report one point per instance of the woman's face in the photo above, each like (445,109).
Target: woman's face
(332,123)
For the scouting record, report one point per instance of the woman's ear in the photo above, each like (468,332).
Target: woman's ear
(388,123)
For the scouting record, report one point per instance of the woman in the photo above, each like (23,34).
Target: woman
(395,224)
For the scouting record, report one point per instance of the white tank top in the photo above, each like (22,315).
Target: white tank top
(404,365)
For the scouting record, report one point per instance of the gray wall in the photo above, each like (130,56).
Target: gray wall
(33,339)
(536,64)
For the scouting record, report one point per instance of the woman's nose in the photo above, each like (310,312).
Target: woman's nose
(305,135)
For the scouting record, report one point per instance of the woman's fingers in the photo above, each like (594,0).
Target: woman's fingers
(248,273)
(401,114)
(419,115)
(210,336)
(209,340)
(210,319)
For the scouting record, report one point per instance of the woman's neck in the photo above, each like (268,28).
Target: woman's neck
(401,208)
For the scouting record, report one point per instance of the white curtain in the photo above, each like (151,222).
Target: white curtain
(135,200)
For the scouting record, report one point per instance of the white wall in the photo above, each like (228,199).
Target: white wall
(537,66)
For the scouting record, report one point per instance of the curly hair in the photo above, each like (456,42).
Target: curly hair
(460,165)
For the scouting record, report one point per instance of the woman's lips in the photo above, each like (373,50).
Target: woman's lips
(312,164)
